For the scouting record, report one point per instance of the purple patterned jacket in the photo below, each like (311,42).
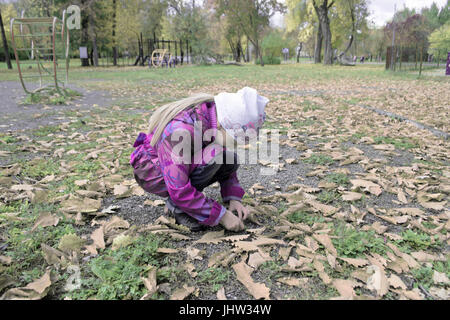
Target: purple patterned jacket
(159,172)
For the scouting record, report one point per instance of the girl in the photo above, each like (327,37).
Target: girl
(217,121)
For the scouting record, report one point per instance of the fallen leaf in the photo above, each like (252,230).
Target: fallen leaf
(377,281)
(45,219)
(182,293)
(345,288)
(351,196)
(33,291)
(440,278)
(221,294)
(256,259)
(356,262)
(99,238)
(325,240)
(257,290)
(150,282)
(396,282)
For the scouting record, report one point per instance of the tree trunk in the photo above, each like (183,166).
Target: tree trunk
(415,68)
(94,52)
(401,57)
(421,59)
(259,54)
(328,50)
(84,36)
(322,14)
(318,47)
(298,52)
(5,43)
(114,48)
(238,51)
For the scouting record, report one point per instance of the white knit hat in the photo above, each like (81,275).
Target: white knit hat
(240,111)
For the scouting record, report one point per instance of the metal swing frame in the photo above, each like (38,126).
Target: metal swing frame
(32,45)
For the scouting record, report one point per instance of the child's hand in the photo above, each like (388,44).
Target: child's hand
(231,222)
(239,208)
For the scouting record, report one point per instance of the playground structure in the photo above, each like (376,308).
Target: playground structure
(45,43)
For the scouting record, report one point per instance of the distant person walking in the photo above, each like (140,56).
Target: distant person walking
(285,52)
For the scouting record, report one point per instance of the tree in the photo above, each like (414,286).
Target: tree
(440,40)
(322,7)
(252,17)
(332,23)
(5,42)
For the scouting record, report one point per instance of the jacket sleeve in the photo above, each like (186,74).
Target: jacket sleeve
(231,189)
(176,176)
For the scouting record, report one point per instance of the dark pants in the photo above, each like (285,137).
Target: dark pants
(206,175)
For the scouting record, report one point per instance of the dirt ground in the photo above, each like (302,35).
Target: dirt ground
(340,137)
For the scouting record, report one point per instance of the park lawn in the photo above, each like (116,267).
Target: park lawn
(369,201)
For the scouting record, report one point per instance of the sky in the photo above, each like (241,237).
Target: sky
(382,11)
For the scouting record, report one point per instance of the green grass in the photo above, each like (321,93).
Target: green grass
(52,97)
(308,218)
(355,243)
(319,159)
(214,277)
(38,168)
(340,179)
(117,274)
(402,143)
(414,241)
(327,197)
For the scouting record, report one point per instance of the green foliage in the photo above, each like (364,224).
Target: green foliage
(402,143)
(320,159)
(269,60)
(354,243)
(305,217)
(328,196)
(52,97)
(338,178)
(215,277)
(272,44)
(39,168)
(413,241)
(117,274)
(424,276)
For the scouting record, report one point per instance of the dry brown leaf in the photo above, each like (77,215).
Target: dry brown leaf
(51,255)
(33,291)
(356,262)
(345,288)
(150,282)
(221,294)
(45,219)
(351,196)
(378,280)
(440,278)
(98,237)
(256,259)
(294,282)
(167,250)
(182,293)
(325,240)
(257,290)
(5,260)
(212,237)
(396,282)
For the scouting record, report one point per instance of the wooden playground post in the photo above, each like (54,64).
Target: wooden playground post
(181,52)
(187,52)
(176,53)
